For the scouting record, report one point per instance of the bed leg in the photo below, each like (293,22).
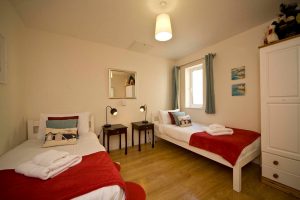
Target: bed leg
(237,178)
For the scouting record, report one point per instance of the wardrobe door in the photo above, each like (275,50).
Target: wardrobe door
(280,98)
(283,73)
(283,128)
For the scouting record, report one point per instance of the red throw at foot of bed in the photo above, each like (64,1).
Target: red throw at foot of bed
(95,171)
(134,191)
(227,146)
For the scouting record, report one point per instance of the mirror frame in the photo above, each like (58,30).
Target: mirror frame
(109,83)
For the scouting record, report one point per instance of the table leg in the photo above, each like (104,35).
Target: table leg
(132,131)
(120,141)
(126,143)
(145,136)
(152,137)
(103,138)
(139,140)
(108,143)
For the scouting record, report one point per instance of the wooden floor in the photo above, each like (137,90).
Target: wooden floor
(171,172)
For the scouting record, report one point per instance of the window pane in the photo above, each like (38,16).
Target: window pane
(197,87)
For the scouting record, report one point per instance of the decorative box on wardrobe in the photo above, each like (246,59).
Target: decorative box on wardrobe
(280,114)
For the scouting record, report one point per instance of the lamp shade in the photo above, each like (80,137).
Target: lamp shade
(163,29)
(114,111)
(142,108)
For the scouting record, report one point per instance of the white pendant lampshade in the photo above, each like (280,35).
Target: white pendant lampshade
(163,29)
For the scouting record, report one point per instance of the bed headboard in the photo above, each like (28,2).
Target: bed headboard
(33,127)
(154,116)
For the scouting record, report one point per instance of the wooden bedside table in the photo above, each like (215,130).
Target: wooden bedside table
(142,126)
(115,129)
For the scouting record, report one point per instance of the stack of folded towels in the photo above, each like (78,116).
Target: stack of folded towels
(48,164)
(218,129)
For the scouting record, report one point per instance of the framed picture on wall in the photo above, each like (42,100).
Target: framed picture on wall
(238,73)
(3,67)
(238,89)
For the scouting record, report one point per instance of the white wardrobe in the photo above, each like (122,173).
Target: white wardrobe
(280,114)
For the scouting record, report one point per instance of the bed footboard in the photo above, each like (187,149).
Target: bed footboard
(237,169)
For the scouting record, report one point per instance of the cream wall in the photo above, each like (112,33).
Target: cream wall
(65,75)
(58,74)
(240,50)
(12,122)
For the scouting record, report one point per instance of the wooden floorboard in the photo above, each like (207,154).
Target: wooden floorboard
(170,172)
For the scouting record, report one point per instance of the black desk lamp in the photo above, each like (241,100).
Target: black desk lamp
(144,109)
(113,111)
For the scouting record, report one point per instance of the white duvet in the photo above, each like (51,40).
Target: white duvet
(181,133)
(86,144)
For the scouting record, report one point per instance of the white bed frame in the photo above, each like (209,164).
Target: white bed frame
(32,127)
(110,193)
(237,168)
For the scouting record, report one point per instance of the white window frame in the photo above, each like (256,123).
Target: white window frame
(189,86)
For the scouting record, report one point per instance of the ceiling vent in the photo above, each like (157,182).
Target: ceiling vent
(140,47)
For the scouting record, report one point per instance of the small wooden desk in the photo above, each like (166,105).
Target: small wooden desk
(142,126)
(115,129)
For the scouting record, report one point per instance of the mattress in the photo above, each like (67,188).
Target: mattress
(86,144)
(180,133)
(183,134)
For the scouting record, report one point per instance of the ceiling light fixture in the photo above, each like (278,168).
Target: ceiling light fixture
(163,29)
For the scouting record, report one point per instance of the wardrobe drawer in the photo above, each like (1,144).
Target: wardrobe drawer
(281,163)
(281,177)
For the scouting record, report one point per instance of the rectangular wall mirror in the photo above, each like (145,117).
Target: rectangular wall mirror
(122,84)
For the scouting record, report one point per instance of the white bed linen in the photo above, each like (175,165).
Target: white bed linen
(181,133)
(86,144)
(184,134)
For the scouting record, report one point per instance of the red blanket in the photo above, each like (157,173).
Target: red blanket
(95,171)
(227,146)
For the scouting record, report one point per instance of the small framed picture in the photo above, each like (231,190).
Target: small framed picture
(238,89)
(238,73)
(3,66)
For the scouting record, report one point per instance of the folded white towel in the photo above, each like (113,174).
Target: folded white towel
(49,157)
(37,171)
(67,161)
(216,126)
(219,131)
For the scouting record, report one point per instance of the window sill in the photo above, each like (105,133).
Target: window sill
(200,108)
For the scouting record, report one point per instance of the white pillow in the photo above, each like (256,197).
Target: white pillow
(164,117)
(83,123)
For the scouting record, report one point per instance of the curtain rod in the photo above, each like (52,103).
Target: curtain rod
(214,54)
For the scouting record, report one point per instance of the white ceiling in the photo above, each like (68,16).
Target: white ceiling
(119,23)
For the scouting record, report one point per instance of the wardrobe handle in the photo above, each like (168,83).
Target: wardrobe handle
(275,175)
(275,162)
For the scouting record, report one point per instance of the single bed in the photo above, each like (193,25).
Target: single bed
(181,136)
(86,144)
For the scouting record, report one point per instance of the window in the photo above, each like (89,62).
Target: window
(194,86)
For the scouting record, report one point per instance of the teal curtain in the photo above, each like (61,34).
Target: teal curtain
(210,93)
(175,87)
